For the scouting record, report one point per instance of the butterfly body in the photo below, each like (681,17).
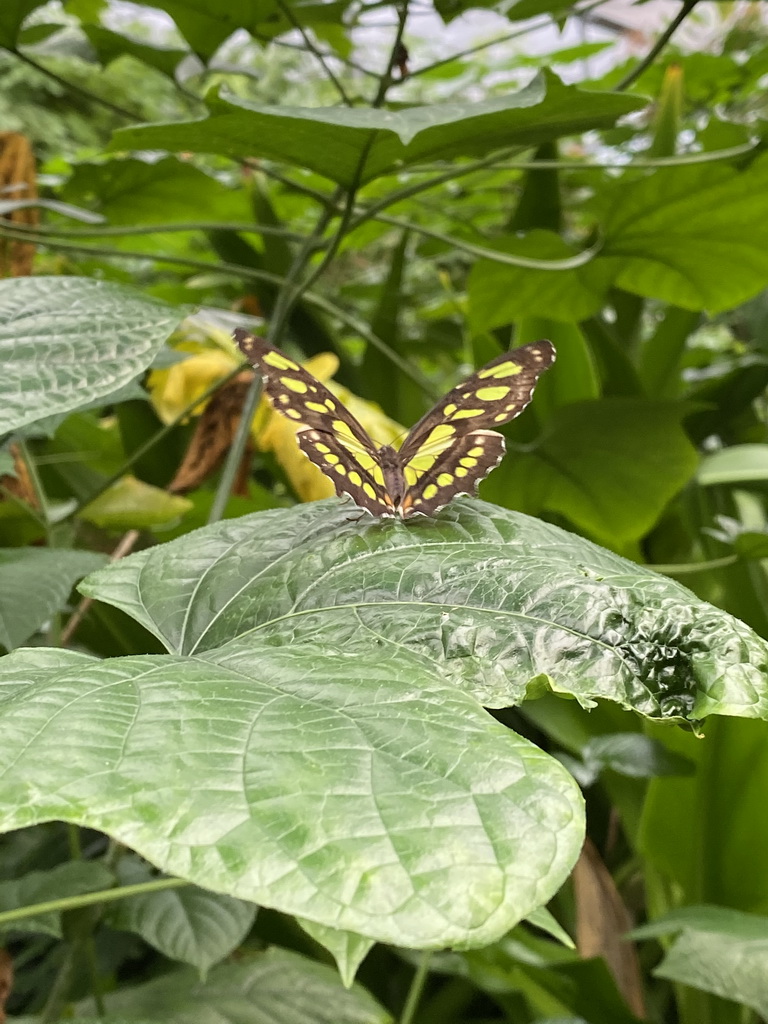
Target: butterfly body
(447,453)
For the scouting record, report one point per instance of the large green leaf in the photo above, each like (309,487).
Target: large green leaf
(611,466)
(499,294)
(694,236)
(357,790)
(359,144)
(67,341)
(12,15)
(498,604)
(34,584)
(274,987)
(163,191)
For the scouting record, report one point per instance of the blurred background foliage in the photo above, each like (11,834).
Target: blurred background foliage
(647,189)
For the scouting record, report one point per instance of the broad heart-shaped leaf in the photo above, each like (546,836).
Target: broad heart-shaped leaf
(357,790)
(694,236)
(66,341)
(499,604)
(356,145)
(274,987)
(610,465)
(500,294)
(34,583)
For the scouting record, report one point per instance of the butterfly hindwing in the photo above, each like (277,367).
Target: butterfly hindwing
(457,470)
(346,471)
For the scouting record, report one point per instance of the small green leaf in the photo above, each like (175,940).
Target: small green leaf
(719,950)
(12,15)
(67,341)
(110,46)
(130,504)
(541,918)
(34,584)
(634,755)
(206,26)
(189,924)
(347,144)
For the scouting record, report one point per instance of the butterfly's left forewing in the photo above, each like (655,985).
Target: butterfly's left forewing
(296,393)
(327,433)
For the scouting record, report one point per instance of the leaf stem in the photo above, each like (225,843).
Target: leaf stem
(92,97)
(658,46)
(89,899)
(416,990)
(684,568)
(154,229)
(316,53)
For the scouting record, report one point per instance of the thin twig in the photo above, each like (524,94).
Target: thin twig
(658,46)
(272,41)
(316,53)
(125,546)
(386,79)
(92,97)
(108,231)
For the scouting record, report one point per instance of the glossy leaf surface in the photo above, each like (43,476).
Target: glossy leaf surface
(499,604)
(361,792)
(66,341)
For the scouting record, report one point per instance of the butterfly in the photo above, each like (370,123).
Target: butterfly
(448,451)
